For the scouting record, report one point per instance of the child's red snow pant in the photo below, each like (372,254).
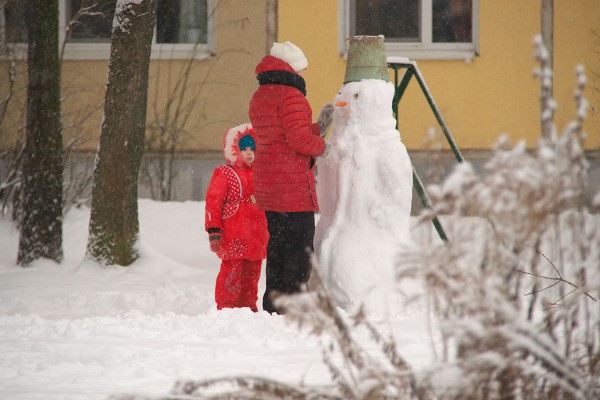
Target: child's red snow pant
(237,284)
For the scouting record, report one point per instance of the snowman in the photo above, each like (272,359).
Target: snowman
(365,191)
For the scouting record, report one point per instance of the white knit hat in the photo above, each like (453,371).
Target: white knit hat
(291,54)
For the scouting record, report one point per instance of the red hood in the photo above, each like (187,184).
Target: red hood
(270,63)
(231,140)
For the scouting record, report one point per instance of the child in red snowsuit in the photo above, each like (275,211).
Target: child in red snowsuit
(237,229)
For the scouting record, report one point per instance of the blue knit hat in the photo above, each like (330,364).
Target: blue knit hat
(247,141)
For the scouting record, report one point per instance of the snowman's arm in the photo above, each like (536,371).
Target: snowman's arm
(296,117)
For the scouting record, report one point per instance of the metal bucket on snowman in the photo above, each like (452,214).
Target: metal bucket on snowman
(366,59)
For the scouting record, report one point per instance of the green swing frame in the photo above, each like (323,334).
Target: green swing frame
(400,84)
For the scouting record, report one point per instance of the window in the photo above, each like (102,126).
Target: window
(417,29)
(182,27)
(13,22)
(182,21)
(91,20)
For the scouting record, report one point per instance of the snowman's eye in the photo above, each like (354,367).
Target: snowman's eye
(356,95)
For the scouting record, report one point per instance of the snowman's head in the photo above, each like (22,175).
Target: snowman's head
(366,100)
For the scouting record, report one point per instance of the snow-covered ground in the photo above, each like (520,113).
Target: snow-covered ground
(79,331)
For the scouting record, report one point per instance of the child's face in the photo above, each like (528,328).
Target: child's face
(247,155)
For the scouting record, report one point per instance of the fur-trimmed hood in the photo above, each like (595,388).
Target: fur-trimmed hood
(231,149)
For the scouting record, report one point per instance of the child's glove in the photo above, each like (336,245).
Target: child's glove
(215,241)
(325,118)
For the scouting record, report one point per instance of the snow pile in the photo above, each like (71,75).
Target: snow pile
(77,331)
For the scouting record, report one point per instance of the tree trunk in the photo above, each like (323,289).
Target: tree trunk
(41,223)
(114,226)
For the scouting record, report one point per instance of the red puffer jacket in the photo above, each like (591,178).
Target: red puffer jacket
(287,140)
(230,205)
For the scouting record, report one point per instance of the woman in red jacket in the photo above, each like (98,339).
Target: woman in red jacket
(287,144)
(237,229)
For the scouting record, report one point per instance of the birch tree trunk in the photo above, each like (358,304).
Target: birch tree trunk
(42,201)
(114,226)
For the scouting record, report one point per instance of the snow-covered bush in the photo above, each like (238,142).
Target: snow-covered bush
(517,286)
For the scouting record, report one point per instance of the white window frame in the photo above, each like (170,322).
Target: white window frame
(9,50)
(426,49)
(101,51)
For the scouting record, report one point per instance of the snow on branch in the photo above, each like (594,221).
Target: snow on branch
(516,288)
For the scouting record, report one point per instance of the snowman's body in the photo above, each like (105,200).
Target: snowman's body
(365,193)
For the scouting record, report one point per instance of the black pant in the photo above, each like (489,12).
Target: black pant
(288,253)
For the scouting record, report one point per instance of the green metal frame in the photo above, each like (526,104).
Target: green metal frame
(411,70)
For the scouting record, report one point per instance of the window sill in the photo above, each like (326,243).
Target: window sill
(455,51)
(417,51)
(180,52)
(81,51)
(466,55)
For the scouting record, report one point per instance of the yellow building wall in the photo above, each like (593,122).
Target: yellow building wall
(492,95)
(218,90)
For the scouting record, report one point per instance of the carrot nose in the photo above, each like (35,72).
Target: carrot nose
(341,103)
